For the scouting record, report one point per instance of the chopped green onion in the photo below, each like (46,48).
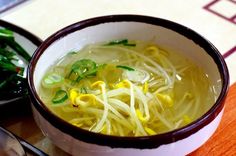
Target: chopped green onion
(60,97)
(83,90)
(125,67)
(83,68)
(52,80)
(123,41)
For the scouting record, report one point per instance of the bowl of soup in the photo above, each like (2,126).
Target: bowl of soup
(127,84)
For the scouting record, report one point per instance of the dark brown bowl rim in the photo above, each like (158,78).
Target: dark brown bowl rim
(28,35)
(144,142)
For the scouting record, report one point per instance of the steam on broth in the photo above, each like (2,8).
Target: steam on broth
(126,88)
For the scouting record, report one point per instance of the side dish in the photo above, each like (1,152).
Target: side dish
(13,60)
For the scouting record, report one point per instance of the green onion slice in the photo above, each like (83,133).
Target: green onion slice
(83,90)
(125,67)
(83,68)
(52,80)
(60,97)
(115,42)
(123,42)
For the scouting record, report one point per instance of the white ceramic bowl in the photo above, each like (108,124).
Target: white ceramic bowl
(167,34)
(30,43)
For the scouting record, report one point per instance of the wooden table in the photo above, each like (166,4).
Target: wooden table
(223,141)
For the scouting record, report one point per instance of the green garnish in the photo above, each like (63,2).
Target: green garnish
(83,90)
(72,53)
(52,80)
(115,42)
(123,42)
(60,97)
(125,67)
(82,69)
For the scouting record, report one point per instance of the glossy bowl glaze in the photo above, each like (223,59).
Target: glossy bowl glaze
(168,35)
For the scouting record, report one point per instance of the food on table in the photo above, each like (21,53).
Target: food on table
(127,88)
(13,62)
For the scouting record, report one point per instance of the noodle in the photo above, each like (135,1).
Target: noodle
(125,88)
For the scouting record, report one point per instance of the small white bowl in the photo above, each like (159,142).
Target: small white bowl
(167,34)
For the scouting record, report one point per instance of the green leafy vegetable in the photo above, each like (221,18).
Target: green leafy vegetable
(83,90)
(12,82)
(4,82)
(14,45)
(60,97)
(7,53)
(6,36)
